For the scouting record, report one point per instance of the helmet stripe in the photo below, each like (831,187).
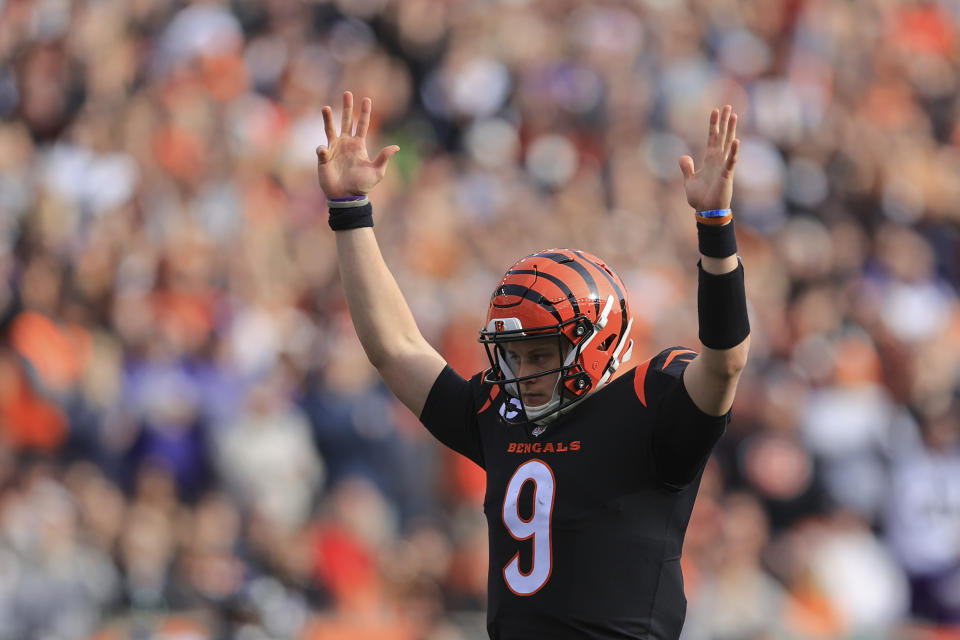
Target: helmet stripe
(555,280)
(613,283)
(567,261)
(528,293)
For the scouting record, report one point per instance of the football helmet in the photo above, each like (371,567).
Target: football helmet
(574,296)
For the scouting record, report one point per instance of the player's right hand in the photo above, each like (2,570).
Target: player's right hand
(711,186)
(343,167)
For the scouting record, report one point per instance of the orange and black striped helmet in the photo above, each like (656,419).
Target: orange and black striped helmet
(560,292)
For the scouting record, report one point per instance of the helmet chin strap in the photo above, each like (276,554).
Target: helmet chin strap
(534,412)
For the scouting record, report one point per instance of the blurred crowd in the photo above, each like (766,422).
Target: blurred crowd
(192,444)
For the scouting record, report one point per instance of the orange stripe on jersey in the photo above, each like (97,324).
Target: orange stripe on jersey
(674,354)
(486,405)
(639,378)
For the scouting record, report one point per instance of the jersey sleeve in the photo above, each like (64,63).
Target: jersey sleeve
(450,414)
(682,435)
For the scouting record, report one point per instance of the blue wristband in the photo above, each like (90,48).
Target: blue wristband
(715,213)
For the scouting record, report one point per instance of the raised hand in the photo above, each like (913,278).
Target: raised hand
(711,187)
(343,167)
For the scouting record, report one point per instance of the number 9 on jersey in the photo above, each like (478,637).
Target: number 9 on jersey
(536,527)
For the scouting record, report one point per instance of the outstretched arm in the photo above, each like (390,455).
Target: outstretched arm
(711,379)
(383,321)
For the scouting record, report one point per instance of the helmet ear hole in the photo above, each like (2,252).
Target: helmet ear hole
(609,340)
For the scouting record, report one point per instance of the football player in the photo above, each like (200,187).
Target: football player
(592,465)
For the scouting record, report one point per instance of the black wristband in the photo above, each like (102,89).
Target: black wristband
(717,241)
(722,309)
(351,217)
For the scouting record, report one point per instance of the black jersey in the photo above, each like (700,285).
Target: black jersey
(586,521)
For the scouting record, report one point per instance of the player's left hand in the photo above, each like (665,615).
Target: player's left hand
(711,187)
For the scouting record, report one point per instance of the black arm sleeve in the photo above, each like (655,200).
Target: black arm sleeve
(683,436)
(450,414)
